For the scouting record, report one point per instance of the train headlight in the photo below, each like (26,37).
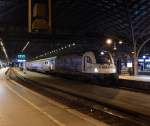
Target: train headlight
(96,70)
(102,53)
(114,70)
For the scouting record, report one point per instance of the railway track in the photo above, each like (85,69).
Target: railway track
(120,84)
(100,111)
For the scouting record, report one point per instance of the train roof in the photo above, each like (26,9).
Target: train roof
(68,52)
(65,53)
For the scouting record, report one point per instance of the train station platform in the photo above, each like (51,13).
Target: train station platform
(142,78)
(139,82)
(131,101)
(20,106)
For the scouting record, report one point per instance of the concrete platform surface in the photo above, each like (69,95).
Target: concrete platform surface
(143,78)
(20,106)
(129,100)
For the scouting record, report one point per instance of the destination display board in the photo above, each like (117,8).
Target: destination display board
(21,57)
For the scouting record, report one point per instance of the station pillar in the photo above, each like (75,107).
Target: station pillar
(135,65)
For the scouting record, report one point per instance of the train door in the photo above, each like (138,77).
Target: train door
(88,60)
(84,63)
(87,63)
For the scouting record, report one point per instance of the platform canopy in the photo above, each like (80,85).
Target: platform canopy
(80,21)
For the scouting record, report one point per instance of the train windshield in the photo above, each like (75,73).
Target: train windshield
(104,58)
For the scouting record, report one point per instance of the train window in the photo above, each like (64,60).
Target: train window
(46,62)
(104,59)
(89,60)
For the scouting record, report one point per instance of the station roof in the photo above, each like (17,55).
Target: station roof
(80,21)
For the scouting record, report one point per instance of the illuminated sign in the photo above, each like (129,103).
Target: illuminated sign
(129,65)
(21,57)
(21,61)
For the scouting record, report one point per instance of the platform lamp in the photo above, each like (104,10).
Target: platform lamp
(109,42)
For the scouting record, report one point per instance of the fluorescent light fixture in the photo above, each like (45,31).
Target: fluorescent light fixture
(4,50)
(1,43)
(20,61)
(25,46)
(140,60)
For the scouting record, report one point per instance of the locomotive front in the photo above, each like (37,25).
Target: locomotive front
(101,65)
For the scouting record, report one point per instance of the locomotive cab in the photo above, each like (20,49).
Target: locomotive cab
(88,61)
(101,66)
